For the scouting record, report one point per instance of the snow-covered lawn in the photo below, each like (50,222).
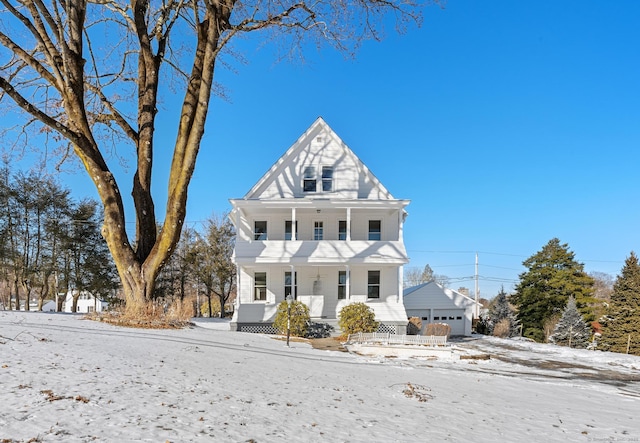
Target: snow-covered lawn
(63,378)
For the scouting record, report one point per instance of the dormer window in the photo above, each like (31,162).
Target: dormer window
(309,181)
(327,178)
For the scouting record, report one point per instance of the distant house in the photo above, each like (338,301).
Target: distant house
(49,306)
(87,302)
(320,228)
(433,303)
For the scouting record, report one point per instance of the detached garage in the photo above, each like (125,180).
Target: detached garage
(433,303)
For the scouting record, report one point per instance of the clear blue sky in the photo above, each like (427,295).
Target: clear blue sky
(506,123)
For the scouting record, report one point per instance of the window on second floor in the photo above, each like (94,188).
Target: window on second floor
(318,230)
(342,230)
(288,231)
(373,284)
(374,230)
(260,230)
(309,179)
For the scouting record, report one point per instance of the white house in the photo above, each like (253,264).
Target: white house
(319,227)
(433,303)
(87,302)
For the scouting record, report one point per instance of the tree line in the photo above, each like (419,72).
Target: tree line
(52,244)
(202,264)
(556,301)
(49,243)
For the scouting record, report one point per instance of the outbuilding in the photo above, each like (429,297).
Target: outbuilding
(433,303)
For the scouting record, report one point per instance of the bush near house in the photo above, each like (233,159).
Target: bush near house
(439,329)
(299,318)
(414,326)
(357,317)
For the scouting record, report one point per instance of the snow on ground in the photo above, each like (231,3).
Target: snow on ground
(63,378)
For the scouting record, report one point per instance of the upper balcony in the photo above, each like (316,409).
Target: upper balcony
(323,252)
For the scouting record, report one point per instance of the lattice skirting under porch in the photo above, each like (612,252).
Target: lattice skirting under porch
(388,329)
(265,328)
(257,328)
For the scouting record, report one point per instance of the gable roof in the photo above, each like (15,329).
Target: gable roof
(415,297)
(319,146)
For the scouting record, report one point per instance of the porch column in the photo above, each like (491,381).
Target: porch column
(347,289)
(348,230)
(400,291)
(293,225)
(294,279)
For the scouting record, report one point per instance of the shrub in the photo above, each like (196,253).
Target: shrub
(414,326)
(319,330)
(158,314)
(357,317)
(534,334)
(299,321)
(439,329)
(502,329)
(483,325)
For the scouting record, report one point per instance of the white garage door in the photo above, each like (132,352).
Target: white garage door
(452,317)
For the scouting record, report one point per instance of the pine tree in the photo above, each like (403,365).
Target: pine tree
(621,324)
(500,310)
(553,276)
(571,329)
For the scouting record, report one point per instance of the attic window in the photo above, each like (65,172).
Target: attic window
(309,181)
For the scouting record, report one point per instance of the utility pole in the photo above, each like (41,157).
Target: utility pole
(477,291)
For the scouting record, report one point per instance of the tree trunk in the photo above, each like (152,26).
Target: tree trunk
(222,311)
(27,295)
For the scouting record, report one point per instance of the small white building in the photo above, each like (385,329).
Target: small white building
(87,302)
(433,303)
(49,306)
(320,228)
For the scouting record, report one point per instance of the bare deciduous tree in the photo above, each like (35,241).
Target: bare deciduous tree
(87,70)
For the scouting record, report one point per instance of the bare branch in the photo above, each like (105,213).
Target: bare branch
(31,109)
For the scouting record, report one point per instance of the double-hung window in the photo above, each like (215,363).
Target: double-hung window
(288,230)
(260,230)
(373,284)
(342,285)
(290,286)
(374,230)
(318,230)
(342,230)
(309,179)
(260,286)
(327,178)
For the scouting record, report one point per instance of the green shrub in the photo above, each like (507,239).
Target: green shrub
(357,317)
(534,334)
(300,319)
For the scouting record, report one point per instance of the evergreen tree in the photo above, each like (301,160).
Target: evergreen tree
(571,330)
(500,310)
(621,324)
(553,276)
